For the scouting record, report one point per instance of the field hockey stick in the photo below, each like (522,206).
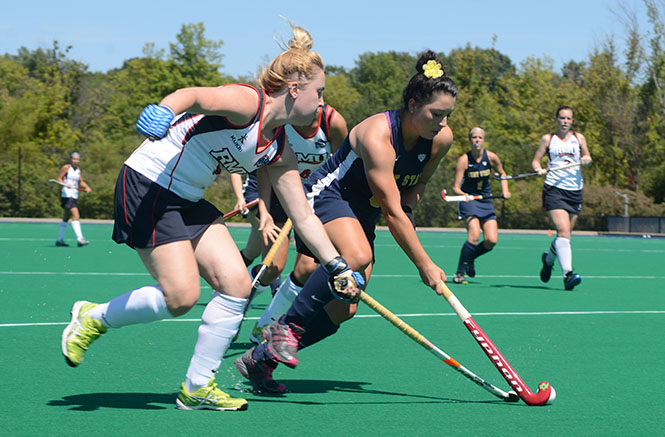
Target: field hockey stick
(447,198)
(55,181)
(533,173)
(267,260)
(248,206)
(546,393)
(414,335)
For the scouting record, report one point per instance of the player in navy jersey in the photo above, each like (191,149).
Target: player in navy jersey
(562,191)
(180,237)
(472,177)
(70,177)
(382,167)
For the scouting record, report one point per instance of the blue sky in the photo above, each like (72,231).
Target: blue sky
(104,34)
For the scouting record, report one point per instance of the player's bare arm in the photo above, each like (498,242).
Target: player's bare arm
(460,168)
(378,157)
(585,156)
(538,156)
(498,168)
(235,102)
(338,131)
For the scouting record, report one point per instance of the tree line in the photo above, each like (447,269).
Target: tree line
(50,105)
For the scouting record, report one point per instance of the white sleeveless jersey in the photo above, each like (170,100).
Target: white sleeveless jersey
(198,147)
(311,151)
(71,178)
(562,153)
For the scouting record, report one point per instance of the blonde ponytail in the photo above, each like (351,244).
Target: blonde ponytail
(297,62)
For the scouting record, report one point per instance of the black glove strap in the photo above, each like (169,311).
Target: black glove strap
(336,265)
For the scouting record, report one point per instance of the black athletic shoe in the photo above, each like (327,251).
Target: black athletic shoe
(571,280)
(546,271)
(61,243)
(458,278)
(471,269)
(259,374)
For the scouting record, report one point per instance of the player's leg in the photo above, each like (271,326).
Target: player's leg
(66,215)
(472,225)
(254,244)
(561,220)
(564,223)
(348,236)
(76,226)
(285,294)
(173,266)
(327,322)
(283,336)
(490,238)
(222,267)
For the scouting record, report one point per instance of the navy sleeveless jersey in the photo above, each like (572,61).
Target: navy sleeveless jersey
(341,179)
(477,176)
(477,182)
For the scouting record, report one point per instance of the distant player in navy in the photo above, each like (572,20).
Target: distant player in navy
(472,177)
(382,167)
(70,177)
(193,135)
(562,192)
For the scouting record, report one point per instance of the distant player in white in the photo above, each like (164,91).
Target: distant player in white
(70,176)
(562,192)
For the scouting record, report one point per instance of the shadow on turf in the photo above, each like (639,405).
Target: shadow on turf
(530,287)
(318,386)
(135,401)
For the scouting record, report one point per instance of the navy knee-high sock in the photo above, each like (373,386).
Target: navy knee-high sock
(480,250)
(466,255)
(318,328)
(311,299)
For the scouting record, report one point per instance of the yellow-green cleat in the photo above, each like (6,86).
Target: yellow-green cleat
(81,331)
(256,336)
(208,398)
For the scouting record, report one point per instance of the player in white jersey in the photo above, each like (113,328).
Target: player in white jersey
(70,178)
(312,144)
(179,236)
(562,192)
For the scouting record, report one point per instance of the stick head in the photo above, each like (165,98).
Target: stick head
(552,396)
(443,194)
(545,395)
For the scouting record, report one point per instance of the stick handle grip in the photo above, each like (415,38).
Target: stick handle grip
(283,235)
(457,306)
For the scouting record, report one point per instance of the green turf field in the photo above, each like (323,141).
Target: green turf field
(600,346)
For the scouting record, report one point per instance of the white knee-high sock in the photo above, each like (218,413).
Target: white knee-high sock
(219,324)
(143,305)
(565,254)
(281,302)
(62,230)
(76,225)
